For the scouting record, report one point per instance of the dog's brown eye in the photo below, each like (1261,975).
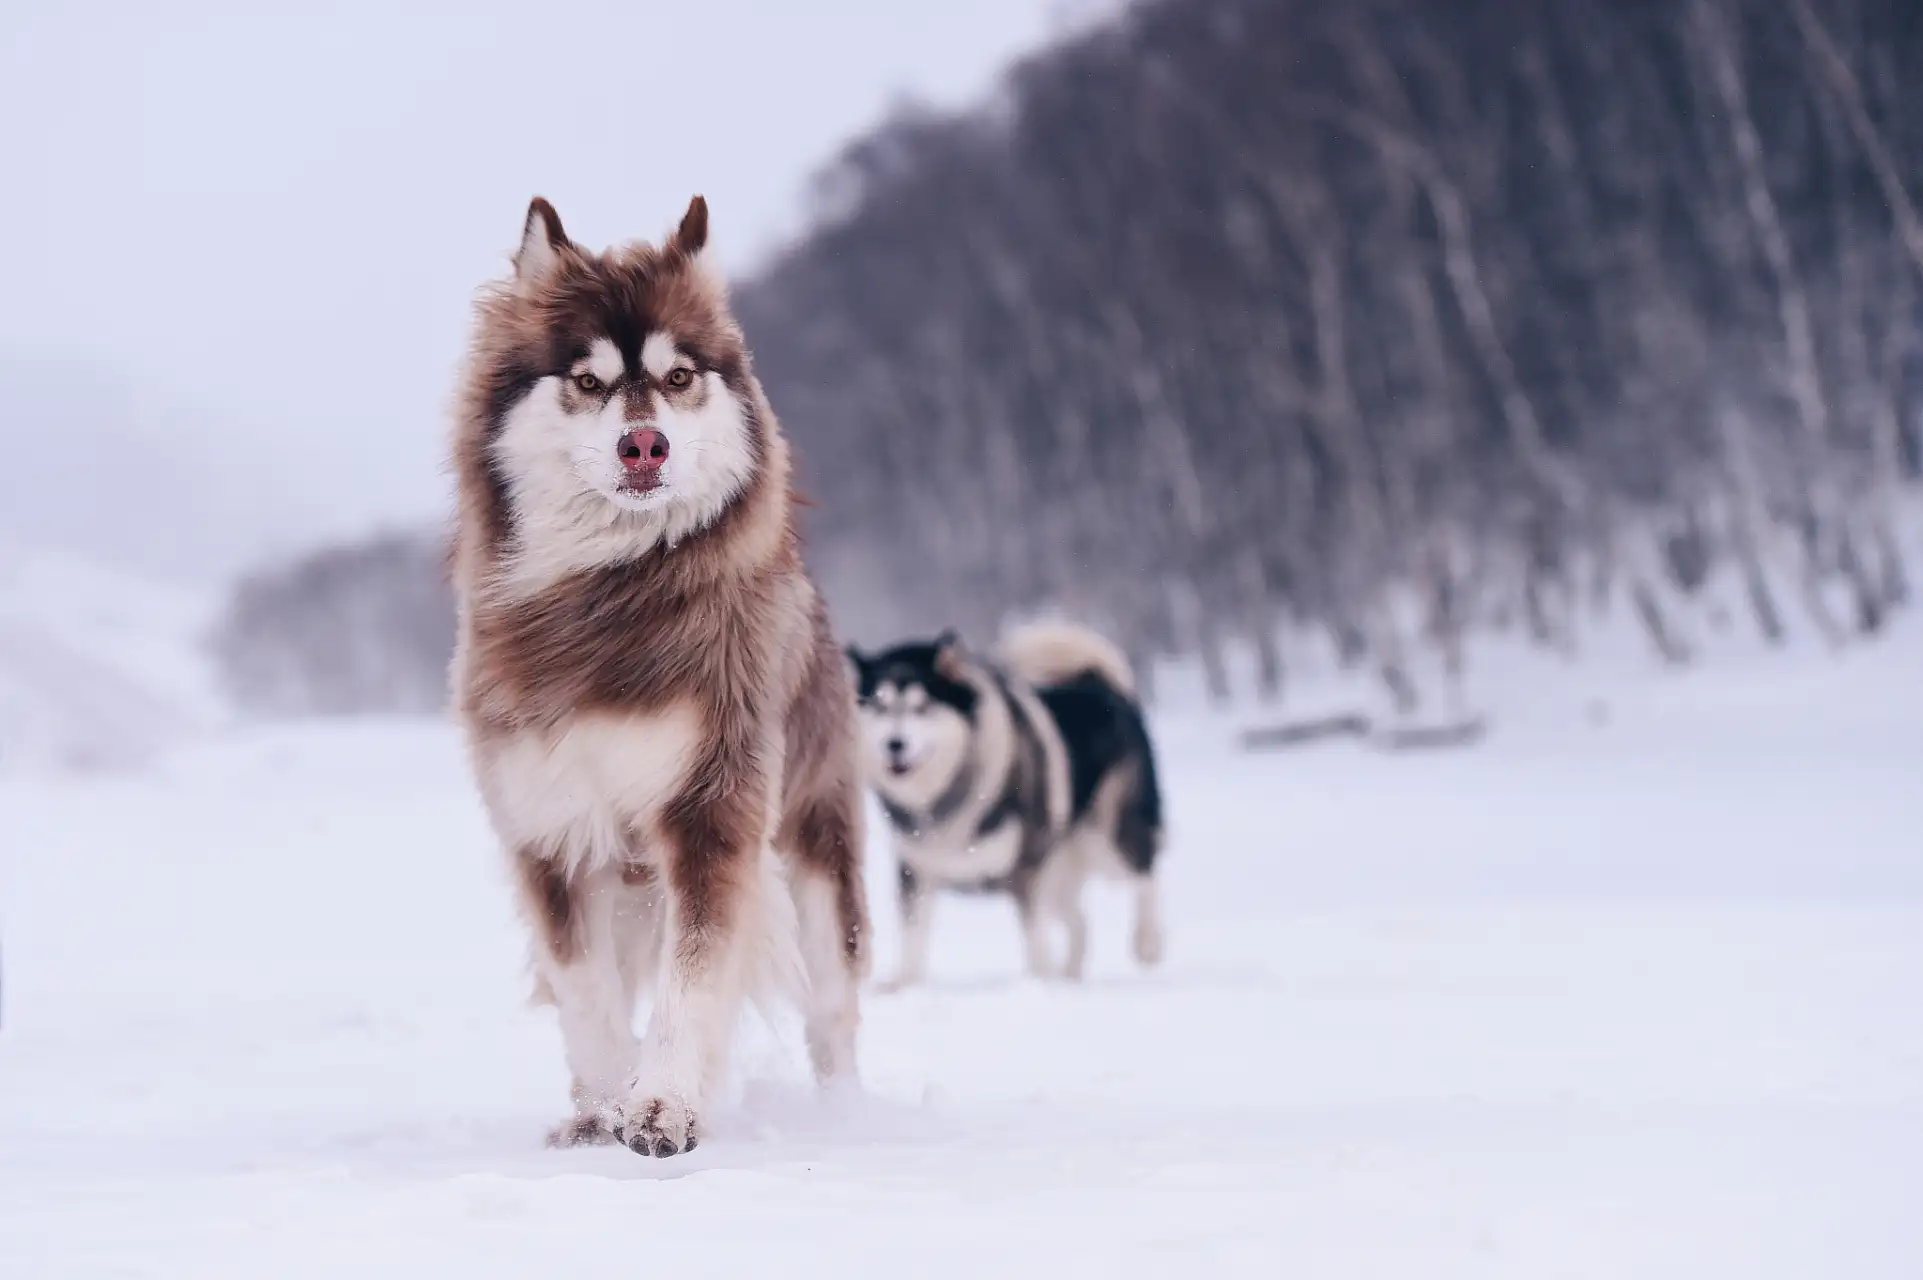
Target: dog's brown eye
(587,382)
(679,377)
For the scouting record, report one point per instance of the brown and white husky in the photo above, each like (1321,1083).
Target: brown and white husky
(660,722)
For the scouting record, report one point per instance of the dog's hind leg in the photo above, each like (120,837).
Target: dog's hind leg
(1137,827)
(1058,893)
(637,929)
(1075,920)
(832,916)
(832,950)
(1033,908)
(1148,941)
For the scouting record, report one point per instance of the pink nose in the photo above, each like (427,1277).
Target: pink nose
(644,450)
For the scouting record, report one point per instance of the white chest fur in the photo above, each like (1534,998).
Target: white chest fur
(961,857)
(584,791)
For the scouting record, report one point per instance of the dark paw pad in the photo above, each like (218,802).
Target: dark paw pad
(660,1131)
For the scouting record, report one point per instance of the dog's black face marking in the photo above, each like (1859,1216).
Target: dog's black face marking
(909,666)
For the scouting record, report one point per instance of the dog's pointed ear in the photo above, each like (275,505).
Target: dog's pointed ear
(857,663)
(691,237)
(542,242)
(950,659)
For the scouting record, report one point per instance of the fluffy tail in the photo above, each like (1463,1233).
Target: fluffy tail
(1045,653)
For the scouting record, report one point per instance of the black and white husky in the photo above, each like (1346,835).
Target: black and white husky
(1023,774)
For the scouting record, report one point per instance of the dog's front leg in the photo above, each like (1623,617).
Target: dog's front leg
(915,897)
(577,964)
(713,835)
(1035,950)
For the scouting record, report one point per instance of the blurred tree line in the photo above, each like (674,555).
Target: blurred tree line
(349,629)
(1395,321)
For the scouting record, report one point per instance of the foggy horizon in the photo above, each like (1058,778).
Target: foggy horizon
(260,283)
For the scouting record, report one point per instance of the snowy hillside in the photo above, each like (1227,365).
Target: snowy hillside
(97,667)
(1622,995)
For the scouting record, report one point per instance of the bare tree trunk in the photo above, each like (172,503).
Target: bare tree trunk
(1447,618)
(1843,82)
(1430,436)
(1553,487)
(1793,311)
(1259,609)
(1886,461)
(1215,666)
(1747,523)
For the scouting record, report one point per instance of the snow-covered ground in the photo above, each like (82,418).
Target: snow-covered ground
(98,667)
(1630,990)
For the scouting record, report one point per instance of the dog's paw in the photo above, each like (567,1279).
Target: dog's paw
(896,985)
(658,1127)
(583,1131)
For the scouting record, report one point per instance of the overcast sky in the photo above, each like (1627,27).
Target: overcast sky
(243,243)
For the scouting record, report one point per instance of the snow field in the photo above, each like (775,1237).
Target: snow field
(1629,998)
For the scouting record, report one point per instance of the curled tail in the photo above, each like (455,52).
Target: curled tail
(1045,653)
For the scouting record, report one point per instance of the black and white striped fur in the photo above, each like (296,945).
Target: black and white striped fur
(1023,774)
